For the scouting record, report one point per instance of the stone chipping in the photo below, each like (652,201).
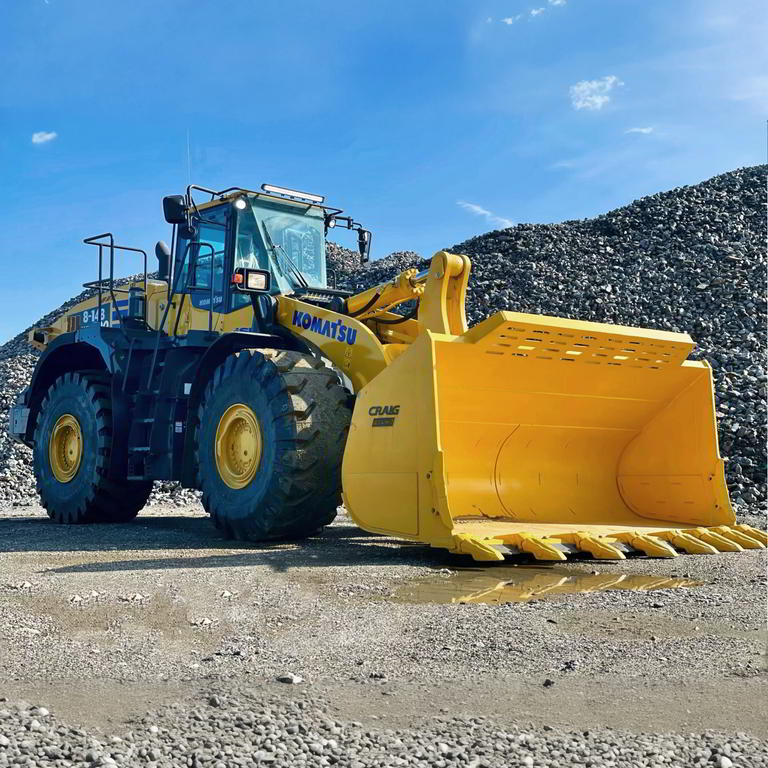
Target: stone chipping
(691,259)
(227,730)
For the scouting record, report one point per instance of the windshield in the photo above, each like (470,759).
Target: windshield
(293,241)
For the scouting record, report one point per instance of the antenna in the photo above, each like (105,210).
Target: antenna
(189,162)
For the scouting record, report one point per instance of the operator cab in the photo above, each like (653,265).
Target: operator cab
(275,230)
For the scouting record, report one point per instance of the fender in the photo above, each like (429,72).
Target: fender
(69,352)
(226,345)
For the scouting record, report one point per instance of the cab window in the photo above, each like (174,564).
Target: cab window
(274,238)
(209,266)
(206,259)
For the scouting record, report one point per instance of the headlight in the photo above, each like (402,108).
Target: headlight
(251,280)
(257,281)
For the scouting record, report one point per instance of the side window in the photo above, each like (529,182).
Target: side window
(209,266)
(208,256)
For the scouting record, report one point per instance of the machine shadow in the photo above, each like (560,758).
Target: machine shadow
(180,539)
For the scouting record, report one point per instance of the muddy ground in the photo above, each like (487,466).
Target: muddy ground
(104,624)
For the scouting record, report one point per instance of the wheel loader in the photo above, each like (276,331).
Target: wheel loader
(241,371)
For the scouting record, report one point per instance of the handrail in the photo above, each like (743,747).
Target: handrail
(174,284)
(94,240)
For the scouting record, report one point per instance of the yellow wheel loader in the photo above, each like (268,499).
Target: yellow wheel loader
(240,372)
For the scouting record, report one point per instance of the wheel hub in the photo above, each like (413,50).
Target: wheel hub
(238,446)
(65,448)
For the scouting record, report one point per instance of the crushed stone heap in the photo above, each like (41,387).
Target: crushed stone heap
(692,259)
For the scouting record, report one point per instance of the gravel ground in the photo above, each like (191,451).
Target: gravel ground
(116,628)
(244,729)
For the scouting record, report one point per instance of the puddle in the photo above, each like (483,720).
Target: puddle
(518,584)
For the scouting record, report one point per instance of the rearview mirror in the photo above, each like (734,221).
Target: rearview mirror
(251,280)
(364,244)
(175,209)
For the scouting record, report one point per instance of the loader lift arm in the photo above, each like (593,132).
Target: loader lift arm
(525,434)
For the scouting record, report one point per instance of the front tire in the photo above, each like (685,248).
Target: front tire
(73,437)
(271,432)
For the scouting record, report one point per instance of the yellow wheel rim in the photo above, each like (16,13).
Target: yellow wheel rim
(238,446)
(65,448)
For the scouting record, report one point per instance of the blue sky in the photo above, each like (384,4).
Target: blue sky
(429,121)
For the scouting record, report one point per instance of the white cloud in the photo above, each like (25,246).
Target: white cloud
(41,137)
(593,94)
(532,12)
(646,130)
(489,216)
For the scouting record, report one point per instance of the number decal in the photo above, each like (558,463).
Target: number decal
(95,316)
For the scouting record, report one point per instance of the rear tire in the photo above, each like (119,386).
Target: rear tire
(77,490)
(293,412)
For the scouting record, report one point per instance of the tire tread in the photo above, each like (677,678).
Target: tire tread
(104,500)
(311,413)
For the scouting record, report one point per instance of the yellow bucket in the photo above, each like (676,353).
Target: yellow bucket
(537,434)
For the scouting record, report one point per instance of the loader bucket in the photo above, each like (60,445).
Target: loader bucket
(547,436)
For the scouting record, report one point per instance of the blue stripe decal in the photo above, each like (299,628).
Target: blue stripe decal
(119,304)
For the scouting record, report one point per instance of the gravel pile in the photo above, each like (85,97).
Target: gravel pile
(17,480)
(692,259)
(340,261)
(17,362)
(223,731)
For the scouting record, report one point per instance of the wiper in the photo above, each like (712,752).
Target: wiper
(296,271)
(299,274)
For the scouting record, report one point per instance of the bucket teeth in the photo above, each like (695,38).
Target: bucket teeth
(612,545)
(716,540)
(540,548)
(687,543)
(465,544)
(755,533)
(746,540)
(599,547)
(649,545)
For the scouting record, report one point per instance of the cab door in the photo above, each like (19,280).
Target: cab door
(204,270)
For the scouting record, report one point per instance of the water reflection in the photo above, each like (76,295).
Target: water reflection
(518,584)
